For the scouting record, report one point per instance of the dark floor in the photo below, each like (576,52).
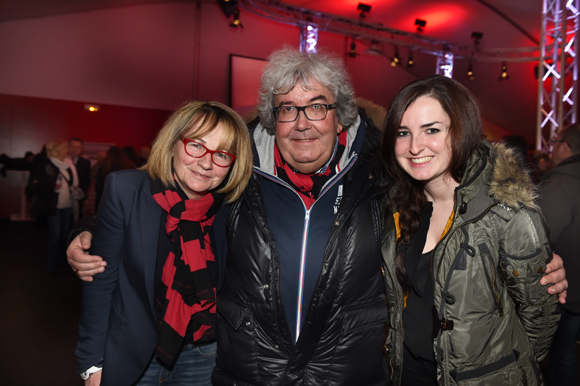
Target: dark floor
(40,312)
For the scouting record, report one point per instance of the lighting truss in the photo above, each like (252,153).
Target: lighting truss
(558,69)
(308,38)
(365,31)
(445,64)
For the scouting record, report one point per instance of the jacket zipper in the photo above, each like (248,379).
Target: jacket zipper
(491,279)
(301,275)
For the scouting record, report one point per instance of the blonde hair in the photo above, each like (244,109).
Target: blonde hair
(204,117)
(53,146)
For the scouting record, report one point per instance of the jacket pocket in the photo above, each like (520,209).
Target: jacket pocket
(233,311)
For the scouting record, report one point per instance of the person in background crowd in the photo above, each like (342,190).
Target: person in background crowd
(560,201)
(150,319)
(115,160)
(50,185)
(83,165)
(143,156)
(21,164)
(541,164)
(131,154)
(465,247)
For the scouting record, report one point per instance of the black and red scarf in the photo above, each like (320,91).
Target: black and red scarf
(189,279)
(309,185)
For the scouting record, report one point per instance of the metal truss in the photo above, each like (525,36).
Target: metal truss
(368,32)
(445,64)
(308,38)
(557,87)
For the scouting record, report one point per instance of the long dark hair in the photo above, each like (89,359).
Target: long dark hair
(465,133)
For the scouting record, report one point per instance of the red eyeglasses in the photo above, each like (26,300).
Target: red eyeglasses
(197,150)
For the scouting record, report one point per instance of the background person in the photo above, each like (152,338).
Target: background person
(560,201)
(115,160)
(83,166)
(50,185)
(154,229)
(465,243)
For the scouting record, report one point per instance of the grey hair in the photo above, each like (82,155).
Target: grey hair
(287,67)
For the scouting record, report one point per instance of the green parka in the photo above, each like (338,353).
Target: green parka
(497,321)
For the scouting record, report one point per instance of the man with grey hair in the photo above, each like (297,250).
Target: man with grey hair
(560,201)
(302,300)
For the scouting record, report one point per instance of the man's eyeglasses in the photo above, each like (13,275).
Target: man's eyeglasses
(554,141)
(197,150)
(315,112)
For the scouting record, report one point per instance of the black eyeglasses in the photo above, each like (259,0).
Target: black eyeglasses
(197,150)
(553,141)
(315,112)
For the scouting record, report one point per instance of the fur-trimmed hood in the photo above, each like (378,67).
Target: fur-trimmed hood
(511,183)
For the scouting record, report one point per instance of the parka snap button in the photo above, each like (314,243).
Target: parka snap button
(276,347)
(540,269)
(516,273)
(248,323)
(336,223)
(266,286)
(370,177)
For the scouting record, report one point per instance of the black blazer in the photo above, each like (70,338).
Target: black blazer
(118,318)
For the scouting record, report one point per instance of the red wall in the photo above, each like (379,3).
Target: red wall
(27,123)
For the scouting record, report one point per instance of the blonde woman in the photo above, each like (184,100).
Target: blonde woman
(149,319)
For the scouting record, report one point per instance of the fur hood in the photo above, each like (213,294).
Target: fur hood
(511,184)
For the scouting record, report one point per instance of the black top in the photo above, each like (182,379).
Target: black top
(418,313)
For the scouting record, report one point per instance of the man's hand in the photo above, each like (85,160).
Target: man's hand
(83,264)
(555,273)
(94,378)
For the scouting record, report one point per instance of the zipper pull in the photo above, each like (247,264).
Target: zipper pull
(502,272)
(500,307)
(524,377)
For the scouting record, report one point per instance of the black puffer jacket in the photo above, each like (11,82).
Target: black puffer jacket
(340,341)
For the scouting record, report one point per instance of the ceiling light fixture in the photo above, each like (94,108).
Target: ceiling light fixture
(410,61)
(92,108)
(504,74)
(470,74)
(236,22)
(364,8)
(397,58)
(352,53)
(476,36)
(420,24)
(375,49)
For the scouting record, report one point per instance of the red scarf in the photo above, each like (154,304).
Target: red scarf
(190,272)
(308,185)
